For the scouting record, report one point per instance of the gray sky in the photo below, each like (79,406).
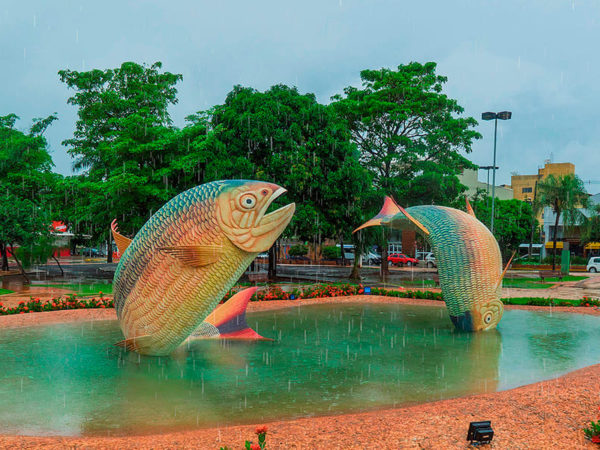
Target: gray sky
(535,58)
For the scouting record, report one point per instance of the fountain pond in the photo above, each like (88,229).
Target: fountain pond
(68,379)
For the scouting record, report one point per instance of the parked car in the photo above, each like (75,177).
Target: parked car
(593,264)
(93,252)
(371,258)
(400,259)
(428,259)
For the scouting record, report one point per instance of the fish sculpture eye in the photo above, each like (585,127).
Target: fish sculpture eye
(248,201)
(487,318)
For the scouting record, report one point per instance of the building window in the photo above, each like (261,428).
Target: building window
(527,189)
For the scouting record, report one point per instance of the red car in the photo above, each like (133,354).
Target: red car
(400,259)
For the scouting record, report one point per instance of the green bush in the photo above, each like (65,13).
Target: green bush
(331,252)
(298,250)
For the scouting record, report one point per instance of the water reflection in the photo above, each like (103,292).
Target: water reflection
(325,359)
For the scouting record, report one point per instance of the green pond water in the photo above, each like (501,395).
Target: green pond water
(68,379)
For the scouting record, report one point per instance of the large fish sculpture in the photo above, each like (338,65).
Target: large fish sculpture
(186,257)
(468,258)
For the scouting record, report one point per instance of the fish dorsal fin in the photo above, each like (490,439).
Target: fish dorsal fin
(121,241)
(390,209)
(194,255)
(505,269)
(414,221)
(470,208)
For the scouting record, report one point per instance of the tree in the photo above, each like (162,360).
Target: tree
(511,225)
(24,224)
(290,139)
(133,159)
(564,195)
(27,185)
(408,134)
(591,227)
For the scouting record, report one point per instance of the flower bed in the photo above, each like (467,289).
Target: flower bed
(276,293)
(56,304)
(333,290)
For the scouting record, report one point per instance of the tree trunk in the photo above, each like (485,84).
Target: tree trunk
(355,273)
(62,272)
(14,254)
(109,252)
(554,240)
(4,252)
(384,271)
(272,269)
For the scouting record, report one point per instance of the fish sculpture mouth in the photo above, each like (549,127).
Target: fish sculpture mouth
(269,226)
(242,215)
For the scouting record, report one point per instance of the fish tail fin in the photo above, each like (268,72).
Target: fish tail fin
(230,319)
(135,344)
(389,209)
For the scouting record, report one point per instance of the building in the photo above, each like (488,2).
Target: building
(469,178)
(523,186)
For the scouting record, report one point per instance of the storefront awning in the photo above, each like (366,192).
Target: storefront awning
(559,245)
(592,246)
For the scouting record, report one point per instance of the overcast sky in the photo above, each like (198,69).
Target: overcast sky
(538,59)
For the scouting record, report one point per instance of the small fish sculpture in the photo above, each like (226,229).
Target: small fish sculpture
(182,262)
(468,258)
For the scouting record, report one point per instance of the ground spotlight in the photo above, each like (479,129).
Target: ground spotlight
(480,432)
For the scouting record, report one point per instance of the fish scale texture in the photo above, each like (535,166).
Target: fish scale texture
(467,254)
(158,296)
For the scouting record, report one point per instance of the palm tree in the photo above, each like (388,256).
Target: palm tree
(565,195)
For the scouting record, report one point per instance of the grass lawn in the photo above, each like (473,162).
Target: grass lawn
(5,291)
(541,301)
(81,288)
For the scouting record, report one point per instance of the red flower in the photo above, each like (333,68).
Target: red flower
(255,447)
(596,439)
(21,303)
(261,430)
(22,312)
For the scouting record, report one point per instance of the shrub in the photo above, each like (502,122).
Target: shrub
(57,304)
(331,252)
(298,250)
(593,431)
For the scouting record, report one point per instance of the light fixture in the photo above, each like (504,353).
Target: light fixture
(480,432)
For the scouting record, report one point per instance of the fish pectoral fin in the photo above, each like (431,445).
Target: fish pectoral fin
(505,269)
(194,255)
(228,321)
(134,344)
(121,241)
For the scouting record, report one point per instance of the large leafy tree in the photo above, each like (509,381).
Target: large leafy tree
(565,195)
(131,157)
(27,185)
(289,138)
(24,224)
(409,133)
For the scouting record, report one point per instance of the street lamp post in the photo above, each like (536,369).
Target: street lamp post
(487,169)
(503,115)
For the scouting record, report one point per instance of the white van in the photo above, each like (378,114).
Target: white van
(594,264)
